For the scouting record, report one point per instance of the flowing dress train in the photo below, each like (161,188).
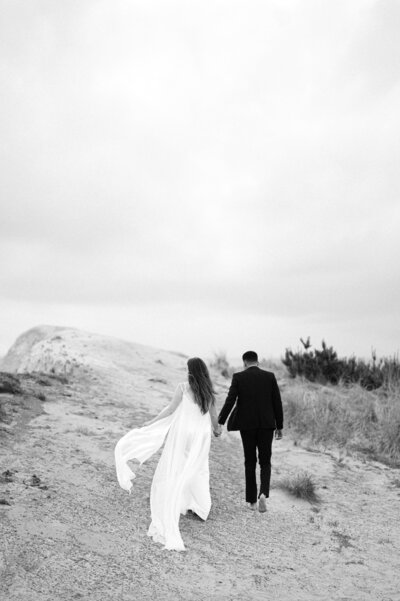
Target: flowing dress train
(181,479)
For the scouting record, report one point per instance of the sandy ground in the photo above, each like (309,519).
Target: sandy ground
(72,533)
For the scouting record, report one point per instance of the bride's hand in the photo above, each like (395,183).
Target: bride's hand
(217,430)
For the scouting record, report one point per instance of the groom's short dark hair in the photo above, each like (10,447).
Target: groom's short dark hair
(250,356)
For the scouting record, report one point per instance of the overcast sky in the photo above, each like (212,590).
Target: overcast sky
(202,175)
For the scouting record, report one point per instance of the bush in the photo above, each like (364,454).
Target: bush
(3,411)
(324,366)
(9,383)
(221,364)
(300,485)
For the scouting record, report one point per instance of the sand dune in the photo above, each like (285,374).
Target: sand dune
(69,532)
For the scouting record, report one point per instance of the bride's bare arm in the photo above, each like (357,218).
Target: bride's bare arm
(214,420)
(177,399)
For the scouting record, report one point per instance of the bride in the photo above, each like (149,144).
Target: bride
(181,479)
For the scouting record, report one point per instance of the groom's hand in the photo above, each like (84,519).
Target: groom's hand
(278,434)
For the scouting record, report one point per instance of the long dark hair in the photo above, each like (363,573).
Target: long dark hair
(200,383)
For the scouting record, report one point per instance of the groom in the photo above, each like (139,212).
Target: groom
(257,414)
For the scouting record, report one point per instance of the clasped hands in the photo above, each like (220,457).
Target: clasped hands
(218,430)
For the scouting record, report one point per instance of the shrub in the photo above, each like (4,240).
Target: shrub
(9,383)
(221,364)
(300,485)
(324,366)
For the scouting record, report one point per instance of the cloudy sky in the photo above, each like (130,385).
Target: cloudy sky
(202,175)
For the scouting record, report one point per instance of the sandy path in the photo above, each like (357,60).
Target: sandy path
(85,538)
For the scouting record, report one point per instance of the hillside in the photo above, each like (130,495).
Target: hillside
(70,532)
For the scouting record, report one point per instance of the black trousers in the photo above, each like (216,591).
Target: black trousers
(259,440)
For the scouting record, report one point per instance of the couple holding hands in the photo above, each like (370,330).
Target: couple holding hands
(181,479)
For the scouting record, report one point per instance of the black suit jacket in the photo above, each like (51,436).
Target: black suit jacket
(258,401)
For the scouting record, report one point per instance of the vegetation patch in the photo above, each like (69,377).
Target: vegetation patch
(324,366)
(9,383)
(221,364)
(345,417)
(301,486)
(343,540)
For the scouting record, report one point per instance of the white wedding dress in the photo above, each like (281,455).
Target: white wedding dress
(181,479)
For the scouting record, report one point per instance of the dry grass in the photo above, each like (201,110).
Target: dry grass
(350,418)
(83,430)
(3,411)
(221,364)
(300,485)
